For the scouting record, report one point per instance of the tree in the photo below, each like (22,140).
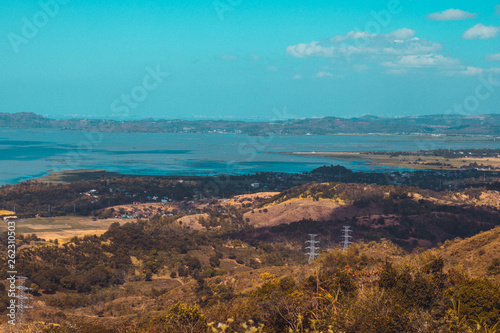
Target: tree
(479,300)
(48,287)
(185,319)
(68,282)
(149,275)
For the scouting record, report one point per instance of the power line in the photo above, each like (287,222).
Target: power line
(346,238)
(312,247)
(23,299)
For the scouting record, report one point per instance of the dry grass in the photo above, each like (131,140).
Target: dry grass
(254,198)
(487,199)
(474,254)
(6,213)
(147,208)
(297,209)
(191,221)
(62,228)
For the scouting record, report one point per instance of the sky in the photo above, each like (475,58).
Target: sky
(249,59)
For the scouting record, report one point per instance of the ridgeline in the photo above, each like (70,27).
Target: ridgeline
(477,125)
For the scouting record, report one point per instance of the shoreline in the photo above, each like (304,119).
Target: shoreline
(416,161)
(421,136)
(375,159)
(69,176)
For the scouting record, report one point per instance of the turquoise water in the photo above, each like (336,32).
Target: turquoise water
(26,154)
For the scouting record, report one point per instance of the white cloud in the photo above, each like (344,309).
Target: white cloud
(497,7)
(402,34)
(229,57)
(254,57)
(399,52)
(421,61)
(363,44)
(324,74)
(480,31)
(297,77)
(472,71)
(351,35)
(313,49)
(398,71)
(361,68)
(272,68)
(493,57)
(451,15)
(468,71)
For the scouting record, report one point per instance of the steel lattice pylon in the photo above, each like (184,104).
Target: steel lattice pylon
(346,238)
(312,247)
(23,299)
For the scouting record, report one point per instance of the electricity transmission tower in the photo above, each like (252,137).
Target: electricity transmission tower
(23,300)
(312,247)
(346,237)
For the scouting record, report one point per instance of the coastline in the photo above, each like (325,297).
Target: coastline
(416,161)
(420,136)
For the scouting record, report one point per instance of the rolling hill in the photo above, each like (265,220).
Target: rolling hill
(444,124)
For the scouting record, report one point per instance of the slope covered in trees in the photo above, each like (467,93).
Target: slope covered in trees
(372,287)
(156,274)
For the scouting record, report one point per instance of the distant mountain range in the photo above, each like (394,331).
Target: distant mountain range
(449,124)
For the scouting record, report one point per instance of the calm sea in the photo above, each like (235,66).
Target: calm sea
(27,154)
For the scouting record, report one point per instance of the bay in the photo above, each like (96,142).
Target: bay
(27,154)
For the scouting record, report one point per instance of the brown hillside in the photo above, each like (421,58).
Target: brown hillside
(191,221)
(474,254)
(297,209)
(252,198)
(485,198)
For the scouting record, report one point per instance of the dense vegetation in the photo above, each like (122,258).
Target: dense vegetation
(360,290)
(157,275)
(83,197)
(389,212)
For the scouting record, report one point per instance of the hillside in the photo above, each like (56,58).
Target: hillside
(340,291)
(432,124)
(414,251)
(408,216)
(478,255)
(293,210)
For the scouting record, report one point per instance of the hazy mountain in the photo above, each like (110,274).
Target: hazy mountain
(432,124)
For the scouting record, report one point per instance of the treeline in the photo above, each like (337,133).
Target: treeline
(90,263)
(83,197)
(32,197)
(362,194)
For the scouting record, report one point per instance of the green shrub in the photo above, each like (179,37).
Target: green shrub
(479,300)
(185,319)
